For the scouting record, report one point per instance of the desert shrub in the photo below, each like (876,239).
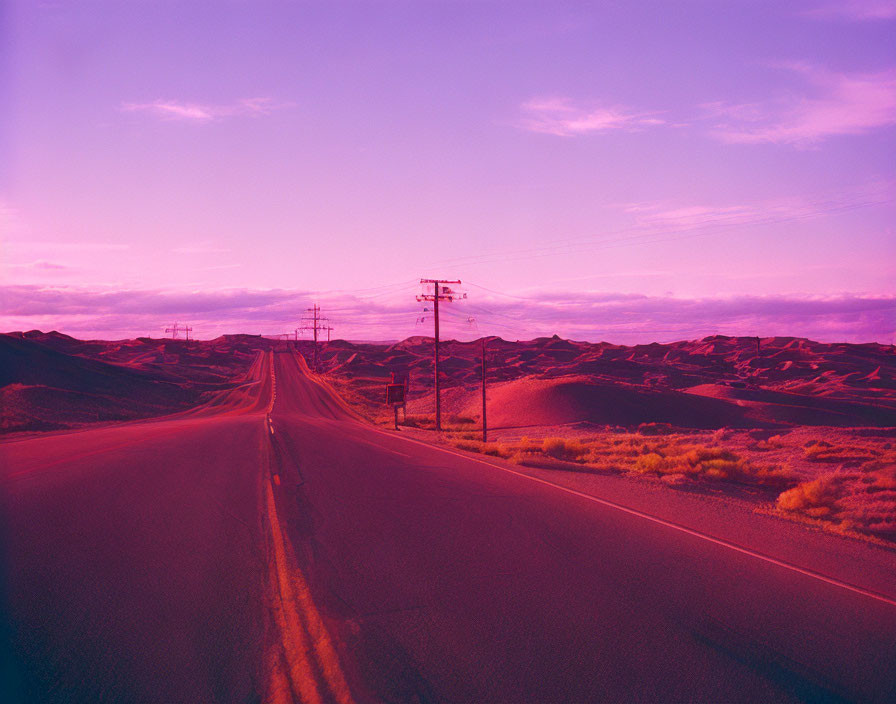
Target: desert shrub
(816,498)
(529,445)
(721,463)
(722,469)
(720,435)
(815,451)
(702,453)
(651,462)
(823,451)
(563,449)
(495,449)
(775,442)
(848,502)
(463,420)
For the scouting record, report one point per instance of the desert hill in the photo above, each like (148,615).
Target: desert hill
(714,382)
(51,381)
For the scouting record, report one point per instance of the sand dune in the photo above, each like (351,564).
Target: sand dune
(530,402)
(710,383)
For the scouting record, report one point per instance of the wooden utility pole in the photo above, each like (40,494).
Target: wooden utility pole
(444,293)
(484,422)
(316,324)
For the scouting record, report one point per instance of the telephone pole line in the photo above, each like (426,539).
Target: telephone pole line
(440,292)
(175,329)
(315,326)
(484,423)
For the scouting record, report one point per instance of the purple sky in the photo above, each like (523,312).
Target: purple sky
(625,171)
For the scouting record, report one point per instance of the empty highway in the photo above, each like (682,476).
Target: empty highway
(272,547)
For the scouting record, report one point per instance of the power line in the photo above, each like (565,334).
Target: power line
(408,283)
(704,228)
(175,329)
(314,323)
(441,292)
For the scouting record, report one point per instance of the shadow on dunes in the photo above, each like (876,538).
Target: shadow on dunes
(768,406)
(529,402)
(44,389)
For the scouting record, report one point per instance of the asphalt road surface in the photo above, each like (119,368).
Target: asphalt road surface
(271,547)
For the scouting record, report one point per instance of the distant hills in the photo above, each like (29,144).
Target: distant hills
(49,380)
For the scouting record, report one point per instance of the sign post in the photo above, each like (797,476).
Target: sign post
(395,398)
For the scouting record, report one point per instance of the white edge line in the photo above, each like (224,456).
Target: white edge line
(660,521)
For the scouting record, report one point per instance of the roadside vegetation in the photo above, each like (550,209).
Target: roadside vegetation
(838,479)
(845,487)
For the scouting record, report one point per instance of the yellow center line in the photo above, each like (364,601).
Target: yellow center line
(307,646)
(312,668)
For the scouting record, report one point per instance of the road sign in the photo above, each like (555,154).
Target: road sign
(395,394)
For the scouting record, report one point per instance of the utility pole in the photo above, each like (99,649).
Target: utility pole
(174,329)
(444,293)
(484,423)
(315,326)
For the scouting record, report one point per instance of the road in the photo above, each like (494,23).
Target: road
(270,547)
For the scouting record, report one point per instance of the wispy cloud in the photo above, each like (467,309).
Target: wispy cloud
(45,245)
(202,247)
(202,112)
(564,118)
(672,217)
(832,104)
(43,265)
(855,10)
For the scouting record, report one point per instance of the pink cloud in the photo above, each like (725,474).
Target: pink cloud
(561,117)
(833,104)
(615,317)
(42,265)
(197,112)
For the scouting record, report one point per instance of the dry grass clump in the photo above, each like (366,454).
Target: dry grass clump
(775,442)
(815,498)
(823,451)
(495,449)
(862,501)
(701,461)
(675,459)
(858,497)
(564,449)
